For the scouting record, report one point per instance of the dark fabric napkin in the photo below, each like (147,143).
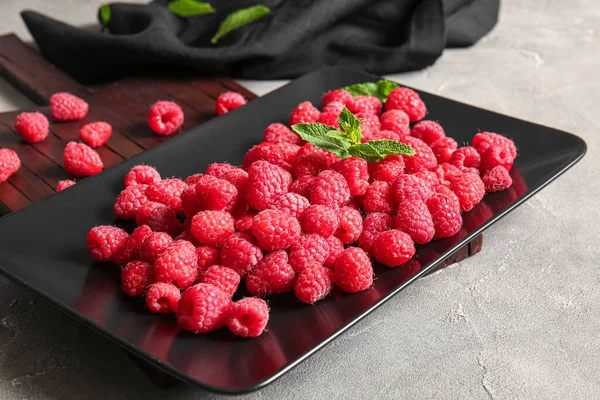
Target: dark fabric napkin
(379,36)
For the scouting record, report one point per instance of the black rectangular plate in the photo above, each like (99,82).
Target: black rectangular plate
(43,247)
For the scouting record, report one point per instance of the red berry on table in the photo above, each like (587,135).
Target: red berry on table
(309,148)
(212,193)
(279,133)
(396,121)
(162,298)
(248,317)
(212,228)
(334,107)
(373,225)
(67,107)
(356,172)
(304,113)
(379,198)
(386,170)
(130,249)
(32,127)
(330,119)
(410,186)
(484,140)
(229,101)
(465,156)
(336,247)
(445,212)
(167,192)
(272,275)
(386,135)
(81,160)
(351,224)
(353,270)
(365,104)
(497,179)
(141,175)
(202,308)
(406,100)
(154,245)
(243,223)
(303,185)
(428,131)
(159,218)
(178,264)
(219,169)
(322,220)
(414,218)
(266,182)
(222,277)
(370,126)
(291,203)
(443,149)
(240,254)
(330,189)
(280,154)
(309,164)
(275,230)
(103,241)
(494,156)
(423,157)
(165,117)
(136,277)
(338,95)
(469,189)
(429,176)
(62,185)
(207,257)
(308,250)
(314,283)
(95,134)
(129,202)
(393,248)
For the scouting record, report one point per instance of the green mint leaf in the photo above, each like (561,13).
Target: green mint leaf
(385,87)
(391,147)
(190,8)
(335,134)
(317,135)
(380,89)
(366,151)
(104,15)
(240,18)
(350,125)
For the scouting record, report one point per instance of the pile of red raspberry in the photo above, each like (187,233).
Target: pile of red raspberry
(294,217)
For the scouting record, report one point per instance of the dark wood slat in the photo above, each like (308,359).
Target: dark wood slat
(30,184)
(213,89)
(27,70)
(12,198)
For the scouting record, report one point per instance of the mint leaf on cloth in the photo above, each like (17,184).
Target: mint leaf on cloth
(390,147)
(380,89)
(317,134)
(190,8)
(350,125)
(239,18)
(104,15)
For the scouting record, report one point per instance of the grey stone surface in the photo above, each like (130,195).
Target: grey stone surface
(521,320)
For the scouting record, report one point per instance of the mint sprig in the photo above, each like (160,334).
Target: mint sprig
(104,15)
(346,141)
(239,18)
(190,8)
(380,89)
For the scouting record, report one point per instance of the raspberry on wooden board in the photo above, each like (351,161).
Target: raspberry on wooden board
(229,101)
(165,117)
(32,127)
(67,107)
(9,163)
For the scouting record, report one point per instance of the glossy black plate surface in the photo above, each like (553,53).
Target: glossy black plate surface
(43,247)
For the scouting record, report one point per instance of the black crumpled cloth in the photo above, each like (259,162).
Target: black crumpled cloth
(378,36)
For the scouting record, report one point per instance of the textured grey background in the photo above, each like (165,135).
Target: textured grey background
(521,320)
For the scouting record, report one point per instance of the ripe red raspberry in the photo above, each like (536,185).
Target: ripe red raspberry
(303,185)
(162,298)
(81,160)
(95,134)
(351,223)
(386,171)
(212,228)
(229,101)
(167,192)
(393,248)
(365,104)
(336,247)
(308,250)
(279,133)
(338,95)
(414,218)
(62,185)
(428,131)
(275,230)
(293,204)
(154,245)
(494,156)
(407,100)
(429,176)
(165,117)
(379,198)
(411,186)
(248,317)
(484,140)
(136,276)
(465,156)
(304,113)
(423,157)
(314,283)
(469,189)
(445,212)
(450,172)
(239,178)
(330,119)
(202,308)
(141,175)
(353,270)
(212,193)
(104,240)
(373,225)
(193,179)
(356,173)
(240,254)
(130,249)
(280,154)
(158,217)
(272,275)
(218,169)
(222,277)
(207,257)
(178,264)
(309,164)
(66,107)
(266,182)
(395,121)
(370,126)
(187,235)
(330,189)
(129,202)
(334,107)
(243,223)
(33,126)
(386,135)
(322,220)
(443,149)
(470,170)
(497,179)
(309,148)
